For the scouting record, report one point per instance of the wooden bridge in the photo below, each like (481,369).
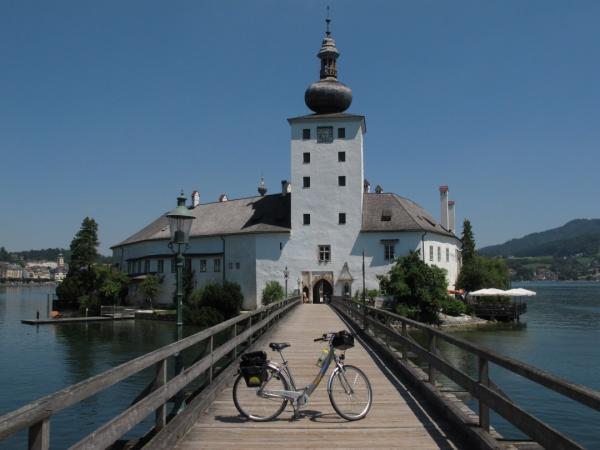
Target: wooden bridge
(411,409)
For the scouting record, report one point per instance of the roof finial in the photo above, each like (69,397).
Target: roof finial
(328,21)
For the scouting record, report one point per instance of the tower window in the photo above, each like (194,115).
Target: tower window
(306,219)
(342,218)
(324,253)
(306,134)
(341,180)
(341,156)
(306,158)
(341,133)
(305,182)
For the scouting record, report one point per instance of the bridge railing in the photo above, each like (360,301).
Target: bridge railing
(391,332)
(242,330)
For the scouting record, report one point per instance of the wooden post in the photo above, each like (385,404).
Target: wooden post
(39,435)
(212,361)
(484,410)
(160,379)
(404,346)
(234,336)
(433,351)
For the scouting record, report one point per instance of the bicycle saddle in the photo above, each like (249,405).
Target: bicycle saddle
(278,345)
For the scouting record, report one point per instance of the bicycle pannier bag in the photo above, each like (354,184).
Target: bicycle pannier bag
(253,368)
(343,340)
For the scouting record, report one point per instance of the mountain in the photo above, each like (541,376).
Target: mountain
(577,237)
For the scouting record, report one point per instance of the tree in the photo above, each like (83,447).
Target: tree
(84,246)
(213,303)
(149,288)
(468,242)
(272,292)
(110,284)
(417,288)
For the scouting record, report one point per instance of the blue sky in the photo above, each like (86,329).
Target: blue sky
(108,109)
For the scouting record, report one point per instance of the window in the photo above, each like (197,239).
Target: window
(341,133)
(306,133)
(431,253)
(386,215)
(160,266)
(139,266)
(324,253)
(306,157)
(341,180)
(146,265)
(237,265)
(324,135)
(305,182)
(173,265)
(447,255)
(439,254)
(217,265)
(306,219)
(388,251)
(230,266)
(129,266)
(188,264)
(342,218)
(202,265)
(341,156)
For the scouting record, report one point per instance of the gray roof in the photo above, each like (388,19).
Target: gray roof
(271,214)
(405,214)
(261,214)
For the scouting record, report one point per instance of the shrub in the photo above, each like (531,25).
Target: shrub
(272,292)
(452,307)
(203,316)
(225,299)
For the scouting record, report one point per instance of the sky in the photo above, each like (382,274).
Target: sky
(108,109)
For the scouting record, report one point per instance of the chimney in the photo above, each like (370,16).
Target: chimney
(444,206)
(223,198)
(366,186)
(452,217)
(195,199)
(286,187)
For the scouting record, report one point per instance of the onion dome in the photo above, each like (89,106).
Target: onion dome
(328,95)
(262,189)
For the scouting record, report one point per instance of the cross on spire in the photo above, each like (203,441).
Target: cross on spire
(328,21)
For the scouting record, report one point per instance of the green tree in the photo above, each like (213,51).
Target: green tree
(417,288)
(110,284)
(468,242)
(272,292)
(149,288)
(213,303)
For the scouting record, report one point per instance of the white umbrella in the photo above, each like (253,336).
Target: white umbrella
(491,292)
(520,292)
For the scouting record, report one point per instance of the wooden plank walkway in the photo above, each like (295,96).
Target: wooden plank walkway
(396,420)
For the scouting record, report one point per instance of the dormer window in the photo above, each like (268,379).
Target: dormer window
(386,215)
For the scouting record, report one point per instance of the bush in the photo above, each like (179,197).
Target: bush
(407,311)
(452,307)
(272,293)
(225,299)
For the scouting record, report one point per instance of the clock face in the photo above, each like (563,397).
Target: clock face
(325,135)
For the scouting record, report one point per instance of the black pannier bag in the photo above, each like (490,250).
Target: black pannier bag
(343,340)
(253,368)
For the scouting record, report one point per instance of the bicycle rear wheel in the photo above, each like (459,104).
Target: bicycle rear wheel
(350,392)
(254,404)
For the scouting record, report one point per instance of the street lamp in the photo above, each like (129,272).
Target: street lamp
(286,274)
(180,223)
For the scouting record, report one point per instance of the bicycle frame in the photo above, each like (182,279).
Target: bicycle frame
(299,397)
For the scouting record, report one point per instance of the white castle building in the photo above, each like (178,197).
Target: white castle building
(317,228)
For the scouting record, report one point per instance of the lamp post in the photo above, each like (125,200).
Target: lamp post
(286,275)
(180,223)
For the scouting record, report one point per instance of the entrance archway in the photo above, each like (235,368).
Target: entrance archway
(322,291)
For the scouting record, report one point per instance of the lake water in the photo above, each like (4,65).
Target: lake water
(39,360)
(560,333)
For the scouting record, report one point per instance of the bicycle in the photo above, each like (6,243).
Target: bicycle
(261,392)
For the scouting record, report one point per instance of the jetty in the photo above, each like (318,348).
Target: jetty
(412,407)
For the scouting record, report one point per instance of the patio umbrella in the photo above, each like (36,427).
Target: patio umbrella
(520,292)
(490,292)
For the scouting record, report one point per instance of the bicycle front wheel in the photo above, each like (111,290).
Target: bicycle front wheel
(260,403)
(350,392)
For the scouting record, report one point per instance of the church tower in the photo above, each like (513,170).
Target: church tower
(327,167)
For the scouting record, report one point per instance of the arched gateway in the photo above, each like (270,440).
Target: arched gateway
(322,291)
